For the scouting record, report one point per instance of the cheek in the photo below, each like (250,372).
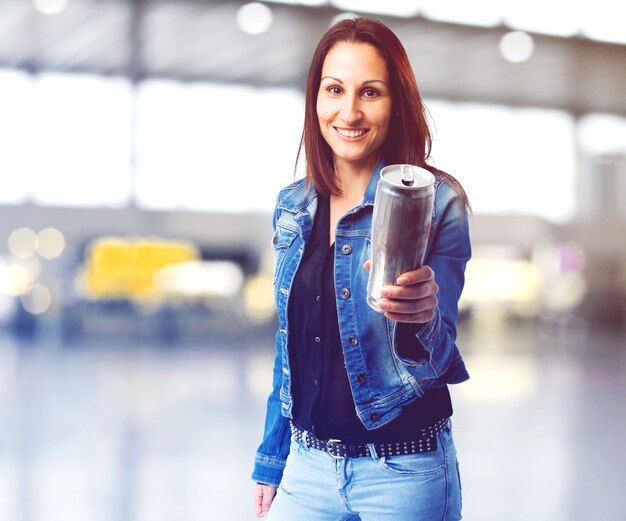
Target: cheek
(386,130)
(384,123)
(323,111)
(324,118)
(322,125)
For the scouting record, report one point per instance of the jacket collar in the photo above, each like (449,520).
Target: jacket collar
(370,191)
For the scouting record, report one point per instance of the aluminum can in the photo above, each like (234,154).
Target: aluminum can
(403,210)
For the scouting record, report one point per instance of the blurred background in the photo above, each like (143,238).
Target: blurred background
(142,144)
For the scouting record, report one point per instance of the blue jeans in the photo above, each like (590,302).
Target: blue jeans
(413,487)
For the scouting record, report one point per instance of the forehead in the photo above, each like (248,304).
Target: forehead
(359,60)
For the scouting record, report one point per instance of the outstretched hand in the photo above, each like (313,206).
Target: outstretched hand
(413,298)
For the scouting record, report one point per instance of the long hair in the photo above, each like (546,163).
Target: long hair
(409,139)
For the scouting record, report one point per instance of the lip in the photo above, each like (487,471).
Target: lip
(350,138)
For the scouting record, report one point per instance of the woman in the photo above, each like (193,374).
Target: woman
(357,423)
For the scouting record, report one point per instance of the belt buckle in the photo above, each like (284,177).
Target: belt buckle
(328,448)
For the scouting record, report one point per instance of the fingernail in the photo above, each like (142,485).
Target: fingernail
(402,280)
(384,292)
(383,305)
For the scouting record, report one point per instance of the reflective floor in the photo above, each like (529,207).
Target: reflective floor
(145,433)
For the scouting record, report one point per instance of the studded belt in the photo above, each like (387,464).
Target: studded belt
(427,442)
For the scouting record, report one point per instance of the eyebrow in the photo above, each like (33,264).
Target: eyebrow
(365,82)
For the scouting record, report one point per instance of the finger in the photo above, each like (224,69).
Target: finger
(268,497)
(367,265)
(257,498)
(409,306)
(414,291)
(415,318)
(413,277)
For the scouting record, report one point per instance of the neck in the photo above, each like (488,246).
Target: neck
(353,178)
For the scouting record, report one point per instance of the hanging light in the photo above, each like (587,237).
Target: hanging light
(50,6)
(517,46)
(254,18)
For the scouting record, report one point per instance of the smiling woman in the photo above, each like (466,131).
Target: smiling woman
(359,411)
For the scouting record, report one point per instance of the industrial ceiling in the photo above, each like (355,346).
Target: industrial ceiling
(195,40)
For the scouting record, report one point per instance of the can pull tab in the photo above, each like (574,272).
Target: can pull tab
(407,175)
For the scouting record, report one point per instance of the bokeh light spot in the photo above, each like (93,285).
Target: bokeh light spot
(23,243)
(14,280)
(50,243)
(37,300)
(517,46)
(50,6)
(254,18)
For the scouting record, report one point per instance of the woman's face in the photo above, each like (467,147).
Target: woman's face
(354,104)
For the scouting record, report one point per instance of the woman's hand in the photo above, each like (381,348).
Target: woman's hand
(263,495)
(413,299)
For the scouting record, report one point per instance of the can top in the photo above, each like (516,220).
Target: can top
(409,177)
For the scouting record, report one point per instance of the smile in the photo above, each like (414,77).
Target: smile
(351,133)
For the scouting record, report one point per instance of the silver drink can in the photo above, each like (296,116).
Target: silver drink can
(400,225)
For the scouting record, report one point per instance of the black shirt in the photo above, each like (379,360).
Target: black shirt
(323,402)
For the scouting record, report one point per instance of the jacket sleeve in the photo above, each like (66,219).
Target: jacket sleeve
(271,455)
(449,252)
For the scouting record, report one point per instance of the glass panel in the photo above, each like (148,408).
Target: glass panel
(81,132)
(16,141)
(509,160)
(214,147)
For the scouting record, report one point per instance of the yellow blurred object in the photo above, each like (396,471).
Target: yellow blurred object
(258,295)
(125,268)
(512,283)
(502,280)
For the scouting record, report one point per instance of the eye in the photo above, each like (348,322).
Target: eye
(370,93)
(334,89)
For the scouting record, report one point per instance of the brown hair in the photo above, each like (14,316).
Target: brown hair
(409,139)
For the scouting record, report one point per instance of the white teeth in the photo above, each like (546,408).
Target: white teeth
(351,133)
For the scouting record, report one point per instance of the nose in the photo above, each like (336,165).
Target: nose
(351,110)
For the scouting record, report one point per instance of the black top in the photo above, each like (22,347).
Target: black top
(323,402)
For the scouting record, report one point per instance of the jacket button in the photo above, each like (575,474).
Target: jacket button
(345,293)
(374,416)
(352,340)
(275,239)
(346,249)
(361,378)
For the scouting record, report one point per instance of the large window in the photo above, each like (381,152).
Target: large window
(519,161)
(601,134)
(215,147)
(16,140)
(66,139)
(82,141)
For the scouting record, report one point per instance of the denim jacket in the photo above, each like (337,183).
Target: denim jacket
(382,381)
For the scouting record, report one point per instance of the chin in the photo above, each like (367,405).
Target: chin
(350,155)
